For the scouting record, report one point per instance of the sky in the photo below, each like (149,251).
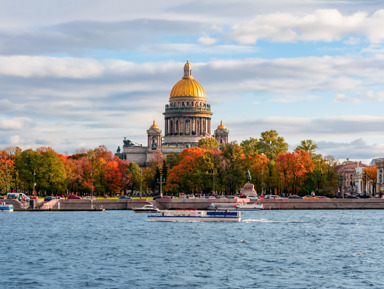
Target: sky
(82,73)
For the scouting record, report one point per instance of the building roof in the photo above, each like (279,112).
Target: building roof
(154,125)
(221,126)
(187,86)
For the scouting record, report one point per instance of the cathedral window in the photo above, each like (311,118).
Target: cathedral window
(187,126)
(198,127)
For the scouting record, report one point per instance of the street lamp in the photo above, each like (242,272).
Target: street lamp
(141,184)
(341,185)
(34,182)
(262,184)
(161,181)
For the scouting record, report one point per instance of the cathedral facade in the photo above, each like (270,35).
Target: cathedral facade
(187,119)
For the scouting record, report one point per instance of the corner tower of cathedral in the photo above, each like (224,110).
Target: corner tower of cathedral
(187,117)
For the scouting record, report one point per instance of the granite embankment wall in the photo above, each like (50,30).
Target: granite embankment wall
(321,204)
(198,204)
(100,204)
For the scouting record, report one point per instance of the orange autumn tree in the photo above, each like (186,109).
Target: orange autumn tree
(370,175)
(258,167)
(184,176)
(6,171)
(291,170)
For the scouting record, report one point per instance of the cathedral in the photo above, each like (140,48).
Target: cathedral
(187,119)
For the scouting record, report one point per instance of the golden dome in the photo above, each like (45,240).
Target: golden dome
(221,126)
(154,125)
(187,86)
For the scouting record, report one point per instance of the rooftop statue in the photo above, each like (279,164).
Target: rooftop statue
(127,143)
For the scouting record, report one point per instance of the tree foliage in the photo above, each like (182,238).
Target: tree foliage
(208,143)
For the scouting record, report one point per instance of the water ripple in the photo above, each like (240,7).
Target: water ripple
(120,249)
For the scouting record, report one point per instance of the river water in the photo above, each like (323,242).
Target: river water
(121,249)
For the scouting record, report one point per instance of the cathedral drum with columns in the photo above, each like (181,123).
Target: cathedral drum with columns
(187,119)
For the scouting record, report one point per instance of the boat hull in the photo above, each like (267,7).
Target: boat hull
(144,211)
(6,208)
(195,216)
(193,219)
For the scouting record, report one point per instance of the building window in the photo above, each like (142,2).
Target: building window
(198,127)
(187,126)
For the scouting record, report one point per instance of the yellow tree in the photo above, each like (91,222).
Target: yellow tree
(370,176)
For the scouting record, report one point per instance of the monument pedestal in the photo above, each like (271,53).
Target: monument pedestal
(249,190)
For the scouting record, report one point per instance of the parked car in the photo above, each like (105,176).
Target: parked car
(272,197)
(21,196)
(349,196)
(90,197)
(125,197)
(49,198)
(74,197)
(322,197)
(1,197)
(294,197)
(156,197)
(252,198)
(310,197)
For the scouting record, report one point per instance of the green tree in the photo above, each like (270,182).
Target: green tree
(231,168)
(271,144)
(307,146)
(52,173)
(204,173)
(135,177)
(28,165)
(250,147)
(208,143)
(172,160)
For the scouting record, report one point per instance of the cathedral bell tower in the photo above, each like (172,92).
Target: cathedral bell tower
(221,134)
(154,136)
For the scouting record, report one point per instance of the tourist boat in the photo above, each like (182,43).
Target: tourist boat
(149,208)
(6,208)
(195,216)
(249,207)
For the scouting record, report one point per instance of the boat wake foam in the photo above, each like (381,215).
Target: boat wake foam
(269,221)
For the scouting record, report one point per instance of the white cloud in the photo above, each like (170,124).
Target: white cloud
(14,140)
(15,123)
(43,66)
(206,40)
(340,97)
(321,25)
